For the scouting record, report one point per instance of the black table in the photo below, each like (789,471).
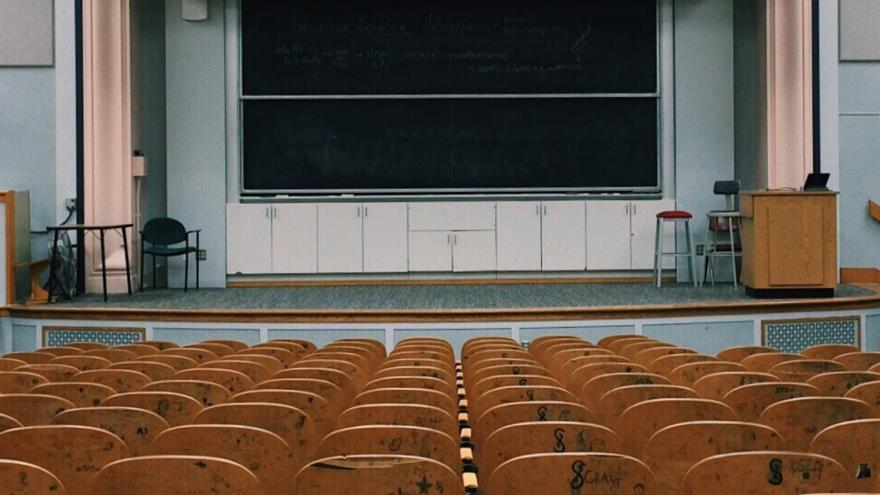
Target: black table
(101,231)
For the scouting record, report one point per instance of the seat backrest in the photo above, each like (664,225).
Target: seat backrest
(264,453)
(112,354)
(646,356)
(520,393)
(176,362)
(437,373)
(477,368)
(630,351)
(285,357)
(673,450)
(594,389)
(737,354)
(51,372)
(349,368)
(377,474)
(19,382)
(9,364)
(859,361)
(342,381)
(270,363)
(236,345)
(587,372)
(763,361)
(422,382)
(196,354)
(177,409)
(803,369)
(856,446)
(838,383)
(88,346)
(406,396)
(312,404)
(393,362)
(392,440)
(256,372)
(83,362)
(515,369)
(74,454)
(798,420)
(716,385)
(81,394)
(612,403)
(322,388)
(61,351)
(749,401)
(309,347)
(160,345)
(476,390)
(598,473)
(138,349)
(119,380)
(30,357)
(618,344)
(523,412)
(537,437)
(688,374)
(664,365)
(231,380)
(729,189)
(204,392)
(195,475)
(828,351)
(765,473)
(567,369)
(400,414)
(154,370)
(219,350)
(22,478)
(136,427)
(164,231)
(33,409)
(8,422)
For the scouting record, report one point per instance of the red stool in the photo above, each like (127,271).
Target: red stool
(676,216)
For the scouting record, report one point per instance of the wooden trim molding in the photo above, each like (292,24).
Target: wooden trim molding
(874,210)
(356,282)
(8,198)
(859,276)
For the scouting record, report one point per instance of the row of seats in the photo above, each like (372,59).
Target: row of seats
(221,417)
(634,415)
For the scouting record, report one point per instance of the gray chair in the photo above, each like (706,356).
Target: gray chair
(165,236)
(725,223)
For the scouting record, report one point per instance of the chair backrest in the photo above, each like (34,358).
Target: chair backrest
(219,350)
(112,354)
(8,422)
(204,392)
(83,362)
(154,370)
(618,344)
(422,382)
(235,345)
(737,354)
(765,473)
(264,453)
(673,450)
(176,409)
(520,393)
(256,372)
(285,357)
(828,351)
(136,427)
(587,372)
(516,369)
(476,369)
(270,363)
(164,231)
(19,382)
(729,189)
(9,364)
(406,396)
(33,409)
(523,412)
(231,380)
(612,403)
(392,440)
(856,446)
(377,474)
(138,349)
(437,373)
(81,394)
(88,346)
(176,362)
(322,388)
(596,387)
(538,437)
(763,361)
(798,420)
(687,375)
(61,351)
(22,478)
(30,357)
(356,373)
(859,361)
(119,380)
(716,385)
(51,372)
(476,390)
(749,401)
(598,473)
(664,365)
(312,404)
(309,347)
(194,475)
(400,414)
(804,369)
(338,378)
(630,351)
(72,453)
(568,367)
(160,345)
(196,354)
(838,383)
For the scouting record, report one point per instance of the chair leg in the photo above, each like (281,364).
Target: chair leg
(692,253)
(732,252)
(198,262)
(705,252)
(142,267)
(185,272)
(658,254)
(154,271)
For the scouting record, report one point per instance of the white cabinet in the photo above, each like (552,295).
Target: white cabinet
(294,238)
(385,237)
(465,215)
(340,238)
(473,251)
(447,251)
(608,235)
(248,238)
(430,251)
(563,235)
(644,230)
(519,236)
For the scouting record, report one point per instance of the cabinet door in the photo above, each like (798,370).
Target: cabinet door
(385,237)
(519,236)
(463,215)
(608,235)
(563,235)
(295,238)
(248,238)
(644,229)
(473,251)
(430,251)
(340,238)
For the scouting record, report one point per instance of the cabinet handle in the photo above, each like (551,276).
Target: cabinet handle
(274,212)
(545,210)
(454,239)
(538,210)
(634,209)
(267,212)
(366,211)
(359,211)
(627,208)
(448,238)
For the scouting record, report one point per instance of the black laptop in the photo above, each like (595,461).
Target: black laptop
(816,182)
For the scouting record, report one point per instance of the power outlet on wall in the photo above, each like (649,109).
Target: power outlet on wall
(70,204)
(203,254)
(701,249)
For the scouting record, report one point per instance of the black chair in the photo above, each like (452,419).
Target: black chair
(164,236)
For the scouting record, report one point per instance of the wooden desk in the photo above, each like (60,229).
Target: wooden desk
(789,241)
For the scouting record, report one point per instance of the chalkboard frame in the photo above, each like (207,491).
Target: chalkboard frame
(657,96)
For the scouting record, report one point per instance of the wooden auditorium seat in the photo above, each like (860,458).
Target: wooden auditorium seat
(137,428)
(83,362)
(507,369)
(716,385)
(218,350)
(284,356)
(801,370)
(749,401)
(476,390)
(306,345)
(341,380)
(88,346)
(422,382)
(617,400)
(61,351)
(81,394)
(196,354)
(357,374)
(475,368)
(9,364)
(687,375)
(74,454)
(154,370)
(393,362)
(520,393)
(30,357)
(587,372)
(406,396)
(799,420)
(596,387)
(571,365)
(401,415)
(828,351)
(112,354)
(22,478)
(177,409)
(868,393)
(646,356)
(440,374)
(763,361)
(154,475)
(8,422)
(19,382)
(270,363)
(392,440)
(858,361)
(619,344)
(737,354)
(523,412)
(176,362)
(204,392)
(235,345)
(838,383)
(856,446)
(33,409)
(664,365)
(262,452)
(315,406)
(119,380)
(336,398)
(254,371)
(231,380)
(159,345)
(377,474)
(363,358)
(630,350)
(361,366)
(138,349)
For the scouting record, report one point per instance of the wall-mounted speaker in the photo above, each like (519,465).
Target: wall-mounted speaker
(195,10)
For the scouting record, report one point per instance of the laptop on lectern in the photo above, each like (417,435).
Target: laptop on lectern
(817,182)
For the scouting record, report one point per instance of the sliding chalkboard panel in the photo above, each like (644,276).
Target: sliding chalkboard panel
(450,144)
(361,47)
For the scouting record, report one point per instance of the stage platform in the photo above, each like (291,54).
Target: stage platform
(707,318)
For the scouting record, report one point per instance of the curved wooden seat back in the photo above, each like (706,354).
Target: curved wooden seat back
(112,354)
(524,412)
(33,409)
(377,474)
(828,351)
(81,394)
(476,390)
(8,422)
(476,369)
(19,382)
(270,363)
(186,474)
(568,367)
(664,365)
(218,350)
(587,372)
(9,364)
(431,372)
(284,356)
(641,420)
(482,354)
(177,362)
(393,362)
(119,380)
(137,428)
(406,396)
(367,358)
(235,345)
(556,351)
(264,453)
(476,341)
(506,369)
(392,440)
(376,346)
(400,415)
(556,362)
(749,401)
(646,356)
(520,393)
(22,478)
(424,347)
(205,393)
(616,345)
(737,354)
(138,349)
(612,403)
(52,372)
(421,340)
(160,345)
(196,354)
(537,345)
(447,358)
(539,437)
(422,382)
(83,362)
(716,385)
(856,446)
(357,375)
(335,397)
(687,375)
(803,369)
(765,473)
(362,365)
(342,381)
(763,361)
(839,383)
(88,346)
(254,371)
(596,387)
(30,357)
(631,350)
(599,474)
(868,393)
(673,450)
(153,369)
(177,409)
(859,361)
(231,380)
(305,344)
(291,424)
(61,351)
(799,420)
(74,454)
(315,406)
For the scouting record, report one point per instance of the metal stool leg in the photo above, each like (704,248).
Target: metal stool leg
(658,250)
(706,258)
(732,252)
(692,255)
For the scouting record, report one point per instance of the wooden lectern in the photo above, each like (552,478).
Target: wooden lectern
(789,242)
